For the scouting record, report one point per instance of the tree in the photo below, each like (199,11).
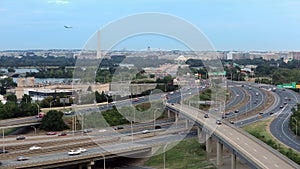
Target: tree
(53,121)
(11,98)
(26,99)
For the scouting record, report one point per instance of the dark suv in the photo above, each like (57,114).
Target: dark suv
(21,138)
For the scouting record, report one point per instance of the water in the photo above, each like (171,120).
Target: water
(21,70)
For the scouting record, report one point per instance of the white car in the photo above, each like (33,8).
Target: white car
(145,131)
(35,148)
(82,150)
(74,152)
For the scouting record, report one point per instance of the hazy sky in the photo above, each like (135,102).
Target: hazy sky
(228,24)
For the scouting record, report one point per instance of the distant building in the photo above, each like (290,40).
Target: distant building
(25,82)
(294,55)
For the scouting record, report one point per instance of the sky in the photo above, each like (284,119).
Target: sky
(243,25)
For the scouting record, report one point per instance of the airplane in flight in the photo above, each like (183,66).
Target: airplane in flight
(68,27)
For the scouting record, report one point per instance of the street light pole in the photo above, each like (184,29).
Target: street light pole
(51,103)
(34,129)
(38,109)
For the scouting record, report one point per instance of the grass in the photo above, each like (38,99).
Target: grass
(260,131)
(186,154)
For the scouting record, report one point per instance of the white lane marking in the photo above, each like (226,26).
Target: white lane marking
(255,150)
(238,138)
(265,157)
(230,133)
(276,165)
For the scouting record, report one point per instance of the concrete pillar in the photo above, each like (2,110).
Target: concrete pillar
(187,123)
(169,113)
(79,166)
(219,153)
(90,164)
(176,118)
(208,143)
(200,135)
(233,161)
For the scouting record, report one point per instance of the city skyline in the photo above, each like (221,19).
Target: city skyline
(231,25)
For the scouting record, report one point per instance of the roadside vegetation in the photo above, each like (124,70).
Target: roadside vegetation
(260,131)
(53,121)
(187,153)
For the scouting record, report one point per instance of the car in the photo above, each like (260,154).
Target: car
(87,130)
(218,122)
(281,106)
(223,116)
(0,163)
(237,95)
(271,112)
(157,127)
(227,113)
(35,148)
(260,113)
(3,151)
(119,128)
(62,134)
(250,88)
(206,115)
(51,133)
(68,112)
(242,85)
(74,152)
(236,111)
(256,94)
(22,158)
(231,122)
(284,102)
(82,150)
(145,131)
(21,138)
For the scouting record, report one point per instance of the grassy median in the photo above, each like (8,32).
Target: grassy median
(186,154)
(260,130)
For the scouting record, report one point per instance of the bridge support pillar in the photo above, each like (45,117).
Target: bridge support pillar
(208,143)
(200,135)
(219,153)
(169,113)
(176,118)
(233,161)
(90,164)
(187,123)
(79,166)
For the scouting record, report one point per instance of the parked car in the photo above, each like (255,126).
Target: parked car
(231,122)
(206,115)
(51,133)
(35,148)
(74,152)
(21,137)
(22,158)
(236,111)
(218,122)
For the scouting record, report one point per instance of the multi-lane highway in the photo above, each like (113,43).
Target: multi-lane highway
(260,154)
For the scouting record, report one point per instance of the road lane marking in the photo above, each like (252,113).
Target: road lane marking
(255,150)
(238,138)
(230,133)
(265,157)
(276,165)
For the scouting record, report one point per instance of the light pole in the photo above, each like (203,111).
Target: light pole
(51,103)
(34,129)
(3,147)
(296,125)
(165,155)
(38,109)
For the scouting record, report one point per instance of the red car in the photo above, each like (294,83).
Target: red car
(51,133)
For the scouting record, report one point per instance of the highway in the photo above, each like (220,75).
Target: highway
(280,127)
(259,153)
